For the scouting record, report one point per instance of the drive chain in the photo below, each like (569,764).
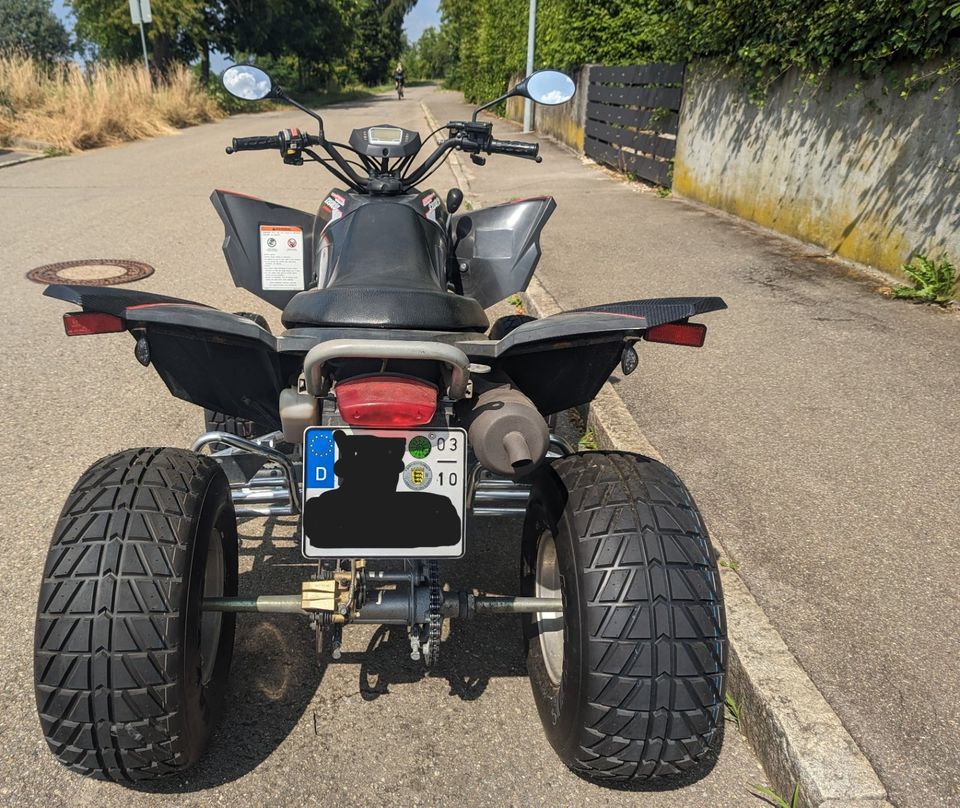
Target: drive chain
(435,626)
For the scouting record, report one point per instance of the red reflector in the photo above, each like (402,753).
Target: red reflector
(386,401)
(692,334)
(81,323)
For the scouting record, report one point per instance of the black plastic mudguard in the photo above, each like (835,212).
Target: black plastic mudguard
(242,218)
(207,357)
(230,364)
(562,361)
(499,247)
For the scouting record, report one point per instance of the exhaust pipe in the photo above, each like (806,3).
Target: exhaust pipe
(507,432)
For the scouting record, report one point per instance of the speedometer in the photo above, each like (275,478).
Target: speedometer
(384,136)
(385,141)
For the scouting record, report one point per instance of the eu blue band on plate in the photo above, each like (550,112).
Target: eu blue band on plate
(319,460)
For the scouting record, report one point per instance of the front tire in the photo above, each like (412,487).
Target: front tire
(629,680)
(130,673)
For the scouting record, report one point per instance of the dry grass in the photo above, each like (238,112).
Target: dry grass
(73,110)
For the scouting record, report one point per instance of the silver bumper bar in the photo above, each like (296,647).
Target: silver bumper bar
(452,358)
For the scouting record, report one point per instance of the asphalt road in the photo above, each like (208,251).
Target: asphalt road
(817,429)
(371,729)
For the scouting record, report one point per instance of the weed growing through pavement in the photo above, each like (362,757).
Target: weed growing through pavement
(588,441)
(933,281)
(662,191)
(517,302)
(771,796)
(732,710)
(730,565)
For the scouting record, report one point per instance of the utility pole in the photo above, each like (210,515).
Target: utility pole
(531,37)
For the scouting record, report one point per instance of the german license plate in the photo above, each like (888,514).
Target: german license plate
(384,493)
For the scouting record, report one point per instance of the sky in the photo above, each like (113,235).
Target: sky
(424,14)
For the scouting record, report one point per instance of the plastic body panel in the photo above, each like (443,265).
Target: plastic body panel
(230,364)
(242,217)
(499,247)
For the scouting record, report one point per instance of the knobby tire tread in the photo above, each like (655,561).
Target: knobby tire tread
(107,659)
(654,617)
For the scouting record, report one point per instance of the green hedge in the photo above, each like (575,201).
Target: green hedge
(759,39)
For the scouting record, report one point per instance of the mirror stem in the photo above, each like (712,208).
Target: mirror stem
(279,93)
(493,103)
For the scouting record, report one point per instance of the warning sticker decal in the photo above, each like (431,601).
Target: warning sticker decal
(281,258)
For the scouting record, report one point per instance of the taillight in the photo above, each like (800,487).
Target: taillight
(692,334)
(386,401)
(81,323)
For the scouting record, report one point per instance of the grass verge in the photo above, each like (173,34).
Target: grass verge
(71,109)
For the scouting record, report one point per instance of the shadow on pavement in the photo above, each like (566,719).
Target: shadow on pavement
(275,672)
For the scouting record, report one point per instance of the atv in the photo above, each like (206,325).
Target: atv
(387,416)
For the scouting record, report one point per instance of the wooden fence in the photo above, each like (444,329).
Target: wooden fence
(632,118)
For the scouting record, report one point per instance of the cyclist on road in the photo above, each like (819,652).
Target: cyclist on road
(398,76)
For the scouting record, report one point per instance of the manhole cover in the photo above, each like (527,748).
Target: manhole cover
(91,272)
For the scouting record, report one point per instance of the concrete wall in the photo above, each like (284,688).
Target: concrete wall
(872,177)
(564,122)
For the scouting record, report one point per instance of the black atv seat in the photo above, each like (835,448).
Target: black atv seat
(382,266)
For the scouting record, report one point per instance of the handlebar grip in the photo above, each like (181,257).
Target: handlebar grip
(257,143)
(515,148)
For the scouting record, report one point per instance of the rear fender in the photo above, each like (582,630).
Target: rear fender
(208,357)
(562,361)
(498,248)
(243,216)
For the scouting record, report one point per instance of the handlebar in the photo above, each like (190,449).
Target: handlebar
(515,148)
(256,143)
(471,137)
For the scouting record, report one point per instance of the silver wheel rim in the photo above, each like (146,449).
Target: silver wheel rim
(549,625)
(210,622)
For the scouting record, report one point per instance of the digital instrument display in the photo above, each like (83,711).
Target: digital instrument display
(385,136)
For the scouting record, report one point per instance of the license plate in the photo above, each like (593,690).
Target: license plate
(384,493)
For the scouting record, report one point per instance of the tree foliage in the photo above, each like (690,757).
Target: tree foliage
(431,56)
(178,28)
(760,39)
(306,40)
(377,27)
(31,27)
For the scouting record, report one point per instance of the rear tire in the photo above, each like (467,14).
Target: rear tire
(130,674)
(241,427)
(629,681)
(504,325)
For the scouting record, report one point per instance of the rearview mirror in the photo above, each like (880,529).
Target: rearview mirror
(548,87)
(246,82)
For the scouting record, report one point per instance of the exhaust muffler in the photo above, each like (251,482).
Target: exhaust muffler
(507,432)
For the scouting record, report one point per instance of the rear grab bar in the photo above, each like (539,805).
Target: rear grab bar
(453,359)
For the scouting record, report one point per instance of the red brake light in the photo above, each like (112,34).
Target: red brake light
(692,334)
(81,323)
(386,401)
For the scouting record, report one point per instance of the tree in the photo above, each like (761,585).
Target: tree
(377,38)
(31,26)
(315,33)
(431,56)
(178,31)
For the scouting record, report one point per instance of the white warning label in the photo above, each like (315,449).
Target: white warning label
(281,258)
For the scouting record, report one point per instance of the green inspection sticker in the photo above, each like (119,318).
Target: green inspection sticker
(419,447)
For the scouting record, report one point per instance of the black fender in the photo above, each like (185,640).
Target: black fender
(208,357)
(242,218)
(498,248)
(562,361)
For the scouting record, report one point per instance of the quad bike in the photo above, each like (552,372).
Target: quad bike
(387,416)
